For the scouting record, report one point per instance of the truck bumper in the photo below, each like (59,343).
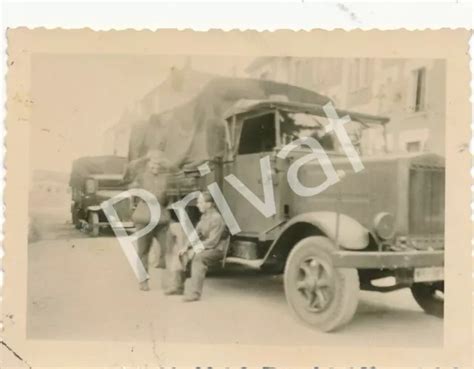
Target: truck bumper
(122,224)
(387,259)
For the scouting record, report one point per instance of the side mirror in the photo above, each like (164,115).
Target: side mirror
(229,138)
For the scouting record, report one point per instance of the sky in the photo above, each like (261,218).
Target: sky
(76,97)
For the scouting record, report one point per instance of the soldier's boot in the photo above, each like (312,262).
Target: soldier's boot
(143,286)
(176,283)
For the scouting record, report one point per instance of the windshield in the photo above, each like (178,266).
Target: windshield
(368,139)
(109,183)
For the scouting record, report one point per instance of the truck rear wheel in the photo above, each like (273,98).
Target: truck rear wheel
(321,295)
(430,297)
(93,224)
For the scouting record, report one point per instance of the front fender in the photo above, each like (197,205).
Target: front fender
(351,236)
(94,208)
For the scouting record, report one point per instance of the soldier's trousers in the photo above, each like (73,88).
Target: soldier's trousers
(199,266)
(145,242)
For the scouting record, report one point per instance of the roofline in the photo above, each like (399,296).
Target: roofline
(94,157)
(106,176)
(314,109)
(154,90)
(258,62)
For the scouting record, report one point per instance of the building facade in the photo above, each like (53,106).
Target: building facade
(410,92)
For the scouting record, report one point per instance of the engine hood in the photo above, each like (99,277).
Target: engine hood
(383,185)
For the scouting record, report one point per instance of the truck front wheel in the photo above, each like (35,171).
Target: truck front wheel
(321,295)
(430,297)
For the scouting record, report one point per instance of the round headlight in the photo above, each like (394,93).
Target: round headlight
(384,225)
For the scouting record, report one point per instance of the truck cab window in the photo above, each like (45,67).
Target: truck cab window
(258,135)
(300,125)
(367,139)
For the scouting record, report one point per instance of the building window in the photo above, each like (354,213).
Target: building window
(414,146)
(359,74)
(307,73)
(297,80)
(414,140)
(419,88)
(327,72)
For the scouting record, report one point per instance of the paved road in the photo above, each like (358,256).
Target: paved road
(83,288)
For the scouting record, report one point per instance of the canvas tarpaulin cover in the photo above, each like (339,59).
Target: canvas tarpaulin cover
(195,131)
(86,166)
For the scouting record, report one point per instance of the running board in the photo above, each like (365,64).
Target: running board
(254,264)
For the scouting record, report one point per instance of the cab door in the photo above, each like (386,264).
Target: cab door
(257,140)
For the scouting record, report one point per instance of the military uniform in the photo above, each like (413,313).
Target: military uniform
(214,237)
(156,184)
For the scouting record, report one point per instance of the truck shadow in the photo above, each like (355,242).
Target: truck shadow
(390,311)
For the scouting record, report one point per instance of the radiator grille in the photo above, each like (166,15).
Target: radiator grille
(426,196)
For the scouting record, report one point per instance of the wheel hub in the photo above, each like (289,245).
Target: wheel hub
(315,284)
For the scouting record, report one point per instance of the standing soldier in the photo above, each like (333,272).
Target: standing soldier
(153,177)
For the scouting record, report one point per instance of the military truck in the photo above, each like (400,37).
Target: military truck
(95,179)
(386,220)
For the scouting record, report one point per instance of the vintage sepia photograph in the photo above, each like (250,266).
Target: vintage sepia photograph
(365,251)
(257,201)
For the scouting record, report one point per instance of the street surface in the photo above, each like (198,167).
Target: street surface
(82,288)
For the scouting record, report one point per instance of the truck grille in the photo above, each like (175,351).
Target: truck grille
(426,200)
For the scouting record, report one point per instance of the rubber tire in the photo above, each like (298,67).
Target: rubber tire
(346,289)
(93,221)
(422,292)
(75,218)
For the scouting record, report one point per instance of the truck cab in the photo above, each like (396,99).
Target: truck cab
(386,220)
(382,218)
